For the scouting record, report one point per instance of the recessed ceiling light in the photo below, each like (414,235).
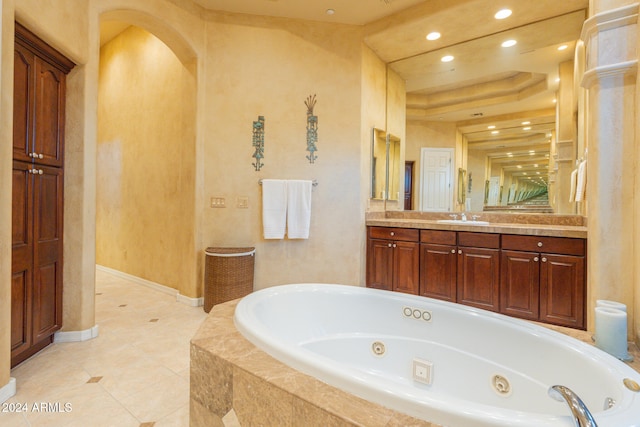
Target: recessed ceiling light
(331,11)
(491,127)
(495,132)
(509,43)
(433,35)
(510,154)
(526,128)
(447,58)
(562,47)
(502,14)
(519,166)
(526,123)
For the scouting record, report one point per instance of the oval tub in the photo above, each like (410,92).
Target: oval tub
(474,367)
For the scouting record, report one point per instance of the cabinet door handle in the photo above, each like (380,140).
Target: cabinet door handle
(536,259)
(544,259)
(539,244)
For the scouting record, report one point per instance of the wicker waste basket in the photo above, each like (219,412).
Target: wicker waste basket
(228,274)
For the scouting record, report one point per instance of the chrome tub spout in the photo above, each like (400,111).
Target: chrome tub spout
(581,415)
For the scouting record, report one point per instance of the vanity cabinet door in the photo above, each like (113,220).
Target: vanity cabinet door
(438,271)
(479,277)
(380,264)
(520,284)
(406,266)
(562,290)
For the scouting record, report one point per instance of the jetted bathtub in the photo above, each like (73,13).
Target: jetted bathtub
(441,362)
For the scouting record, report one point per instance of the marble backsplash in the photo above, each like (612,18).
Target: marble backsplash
(492,217)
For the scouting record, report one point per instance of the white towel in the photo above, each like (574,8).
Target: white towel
(298,209)
(574,183)
(581,186)
(274,208)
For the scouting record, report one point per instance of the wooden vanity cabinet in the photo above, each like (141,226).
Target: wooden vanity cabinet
(393,259)
(543,278)
(479,270)
(438,264)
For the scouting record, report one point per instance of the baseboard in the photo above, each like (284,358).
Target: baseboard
(75,336)
(192,302)
(8,390)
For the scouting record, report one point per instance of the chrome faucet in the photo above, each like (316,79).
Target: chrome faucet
(463,216)
(581,415)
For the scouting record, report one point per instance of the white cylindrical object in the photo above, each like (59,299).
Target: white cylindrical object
(611,304)
(611,331)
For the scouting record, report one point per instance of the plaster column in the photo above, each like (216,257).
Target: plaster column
(610,77)
(7,386)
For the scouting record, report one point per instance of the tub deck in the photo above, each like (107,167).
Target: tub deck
(233,381)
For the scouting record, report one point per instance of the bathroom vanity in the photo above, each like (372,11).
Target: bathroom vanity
(531,271)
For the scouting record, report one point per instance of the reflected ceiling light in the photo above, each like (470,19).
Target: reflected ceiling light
(502,14)
(562,47)
(526,123)
(510,154)
(434,35)
(491,127)
(527,128)
(495,132)
(537,173)
(525,174)
(557,79)
(509,43)
(331,11)
(519,166)
(535,165)
(447,58)
(555,100)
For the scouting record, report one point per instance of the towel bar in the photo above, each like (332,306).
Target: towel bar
(313,182)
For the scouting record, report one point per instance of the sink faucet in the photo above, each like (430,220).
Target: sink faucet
(463,216)
(581,415)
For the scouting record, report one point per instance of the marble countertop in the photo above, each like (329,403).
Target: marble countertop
(501,228)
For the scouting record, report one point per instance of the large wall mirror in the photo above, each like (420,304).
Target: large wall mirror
(506,102)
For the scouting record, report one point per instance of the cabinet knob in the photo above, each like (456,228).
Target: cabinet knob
(539,244)
(389,245)
(41,156)
(544,259)
(453,251)
(536,259)
(392,233)
(32,154)
(460,251)
(394,245)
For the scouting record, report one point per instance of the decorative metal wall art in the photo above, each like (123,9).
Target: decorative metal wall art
(312,129)
(258,142)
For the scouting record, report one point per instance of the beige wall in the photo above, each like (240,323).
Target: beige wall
(146,162)
(428,135)
(268,67)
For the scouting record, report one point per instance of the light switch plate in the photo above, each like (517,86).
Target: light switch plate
(242,202)
(218,202)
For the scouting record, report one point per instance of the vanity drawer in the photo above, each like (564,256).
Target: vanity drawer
(479,240)
(556,245)
(438,237)
(394,233)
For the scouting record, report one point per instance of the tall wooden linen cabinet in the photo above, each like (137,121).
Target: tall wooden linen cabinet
(37,206)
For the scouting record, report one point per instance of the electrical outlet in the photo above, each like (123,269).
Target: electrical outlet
(218,202)
(242,202)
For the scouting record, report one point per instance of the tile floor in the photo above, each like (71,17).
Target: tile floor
(135,373)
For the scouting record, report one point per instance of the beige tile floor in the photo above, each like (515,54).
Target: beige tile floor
(135,373)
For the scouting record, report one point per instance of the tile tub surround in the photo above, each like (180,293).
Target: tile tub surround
(230,377)
(524,224)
